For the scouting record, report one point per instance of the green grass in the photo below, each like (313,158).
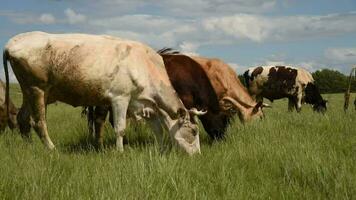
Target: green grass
(284,156)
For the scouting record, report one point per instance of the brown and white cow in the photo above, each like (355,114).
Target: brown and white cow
(6,118)
(90,70)
(203,83)
(276,82)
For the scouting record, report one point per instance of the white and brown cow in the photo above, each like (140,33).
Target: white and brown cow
(276,82)
(90,70)
(6,118)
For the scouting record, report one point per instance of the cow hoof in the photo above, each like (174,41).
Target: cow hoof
(51,146)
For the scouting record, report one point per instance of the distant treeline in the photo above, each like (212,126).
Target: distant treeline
(328,81)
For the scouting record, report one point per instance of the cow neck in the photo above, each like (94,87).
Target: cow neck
(168,101)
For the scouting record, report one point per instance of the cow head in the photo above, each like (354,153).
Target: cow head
(320,106)
(215,124)
(312,96)
(245,112)
(185,132)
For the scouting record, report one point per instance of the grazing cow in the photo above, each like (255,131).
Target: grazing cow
(204,83)
(276,82)
(90,70)
(4,119)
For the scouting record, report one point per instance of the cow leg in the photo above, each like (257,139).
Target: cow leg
(90,118)
(100,116)
(119,107)
(38,112)
(298,104)
(291,104)
(24,118)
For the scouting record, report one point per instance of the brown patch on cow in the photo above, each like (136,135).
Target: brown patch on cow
(256,72)
(280,83)
(65,75)
(122,54)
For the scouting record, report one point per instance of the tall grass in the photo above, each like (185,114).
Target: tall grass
(285,156)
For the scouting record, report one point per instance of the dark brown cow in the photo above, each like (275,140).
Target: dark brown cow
(4,119)
(203,83)
(276,82)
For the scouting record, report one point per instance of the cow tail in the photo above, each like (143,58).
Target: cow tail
(5,57)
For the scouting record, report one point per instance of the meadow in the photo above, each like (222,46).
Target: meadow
(285,156)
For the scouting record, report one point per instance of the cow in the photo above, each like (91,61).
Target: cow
(203,83)
(91,70)
(7,118)
(276,82)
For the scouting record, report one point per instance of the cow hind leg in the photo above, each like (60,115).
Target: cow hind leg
(38,112)
(100,116)
(119,107)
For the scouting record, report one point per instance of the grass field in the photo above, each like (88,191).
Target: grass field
(285,156)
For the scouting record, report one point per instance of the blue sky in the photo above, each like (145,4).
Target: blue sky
(312,34)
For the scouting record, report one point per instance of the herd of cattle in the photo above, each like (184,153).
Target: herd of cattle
(128,79)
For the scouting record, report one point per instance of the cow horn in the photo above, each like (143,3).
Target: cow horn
(266,105)
(197,112)
(233,101)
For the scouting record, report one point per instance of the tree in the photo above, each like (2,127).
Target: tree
(331,81)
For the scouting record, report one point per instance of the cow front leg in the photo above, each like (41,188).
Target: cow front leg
(119,108)
(38,112)
(291,104)
(298,105)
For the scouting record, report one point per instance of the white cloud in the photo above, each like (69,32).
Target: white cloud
(47,18)
(240,69)
(189,8)
(189,48)
(344,55)
(73,17)
(259,28)
(29,18)
(170,31)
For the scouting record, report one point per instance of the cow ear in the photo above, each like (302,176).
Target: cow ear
(266,105)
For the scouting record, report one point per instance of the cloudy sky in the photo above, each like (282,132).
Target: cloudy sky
(313,34)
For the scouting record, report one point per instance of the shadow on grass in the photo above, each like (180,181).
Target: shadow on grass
(87,144)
